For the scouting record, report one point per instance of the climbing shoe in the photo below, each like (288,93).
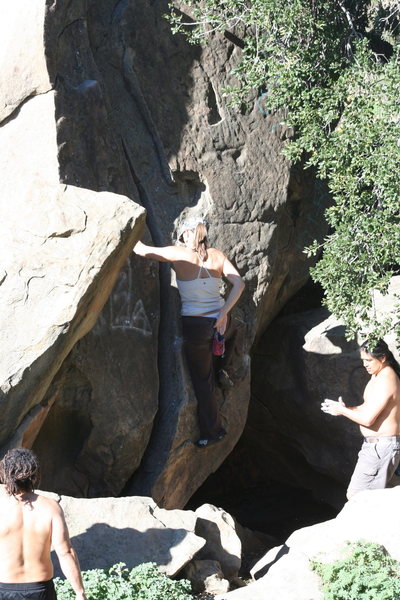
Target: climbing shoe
(206,442)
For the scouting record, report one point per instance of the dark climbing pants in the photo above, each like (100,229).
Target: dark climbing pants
(198,333)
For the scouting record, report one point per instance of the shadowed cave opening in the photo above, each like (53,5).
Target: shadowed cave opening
(258,502)
(67,427)
(246,488)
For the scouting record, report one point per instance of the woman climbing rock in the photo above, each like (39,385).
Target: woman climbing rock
(199,270)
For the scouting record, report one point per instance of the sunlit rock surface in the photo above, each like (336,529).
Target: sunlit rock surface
(107,108)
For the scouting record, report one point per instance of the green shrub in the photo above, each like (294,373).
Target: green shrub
(365,573)
(144,582)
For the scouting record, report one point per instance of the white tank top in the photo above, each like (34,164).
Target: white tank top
(200,296)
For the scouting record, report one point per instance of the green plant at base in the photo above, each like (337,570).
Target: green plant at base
(333,69)
(366,573)
(144,582)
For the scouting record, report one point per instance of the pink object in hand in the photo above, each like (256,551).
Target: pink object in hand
(218,346)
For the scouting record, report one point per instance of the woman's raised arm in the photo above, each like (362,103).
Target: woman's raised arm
(162,253)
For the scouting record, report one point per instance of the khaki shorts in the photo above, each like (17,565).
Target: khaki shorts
(377,462)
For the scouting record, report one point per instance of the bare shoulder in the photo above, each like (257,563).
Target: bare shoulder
(216,252)
(388,382)
(4,503)
(216,255)
(49,504)
(388,375)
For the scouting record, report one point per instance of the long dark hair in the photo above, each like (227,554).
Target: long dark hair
(19,471)
(200,241)
(381,350)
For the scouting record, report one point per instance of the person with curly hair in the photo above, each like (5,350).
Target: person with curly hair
(30,524)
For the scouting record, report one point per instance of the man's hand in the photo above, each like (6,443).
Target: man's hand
(333,407)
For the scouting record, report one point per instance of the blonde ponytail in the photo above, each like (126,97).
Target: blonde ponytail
(200,241)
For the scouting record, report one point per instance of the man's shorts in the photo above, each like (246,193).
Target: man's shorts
(377,462)
(40,590)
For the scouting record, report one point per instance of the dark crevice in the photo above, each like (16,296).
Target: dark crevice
(135,92)
(143,197)
(163,358)
(213,116)
(68,25)
(118,10)
(234,39)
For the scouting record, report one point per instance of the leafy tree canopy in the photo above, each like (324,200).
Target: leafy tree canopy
(333,66)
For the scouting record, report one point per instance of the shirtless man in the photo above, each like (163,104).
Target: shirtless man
(379,420)
(29,525)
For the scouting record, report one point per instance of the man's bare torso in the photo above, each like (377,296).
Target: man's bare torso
(25,538)
(387,422)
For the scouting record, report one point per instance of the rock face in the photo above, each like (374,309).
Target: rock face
(223,543)
(58,276)
(64,246)
(106,531)
(133,530)
(201,157)
(106,109)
